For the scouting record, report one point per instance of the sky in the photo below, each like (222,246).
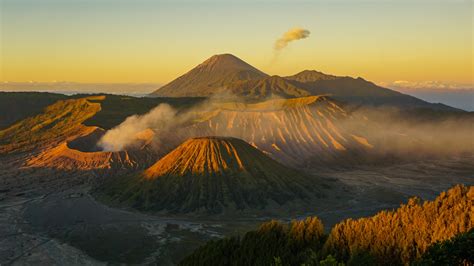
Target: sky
(135,41)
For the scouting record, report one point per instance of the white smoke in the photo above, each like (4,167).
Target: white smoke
(125,134)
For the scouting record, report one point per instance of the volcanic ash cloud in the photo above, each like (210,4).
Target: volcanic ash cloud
(291,35)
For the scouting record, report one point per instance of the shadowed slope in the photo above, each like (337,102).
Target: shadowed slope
(15,106)
(358,91)
(213,174)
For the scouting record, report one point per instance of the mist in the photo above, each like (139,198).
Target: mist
(392,132)
(416,133)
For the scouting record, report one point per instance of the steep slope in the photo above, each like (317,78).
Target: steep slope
(268,87)
(358,91)
(211,75)
(292,131)
(213,174)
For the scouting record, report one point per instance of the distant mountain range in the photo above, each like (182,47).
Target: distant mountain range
(69,88)
(226,75)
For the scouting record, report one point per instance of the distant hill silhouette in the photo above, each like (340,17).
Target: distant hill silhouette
(357,91)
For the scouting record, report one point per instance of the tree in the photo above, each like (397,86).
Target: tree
(330,261)
(458,250)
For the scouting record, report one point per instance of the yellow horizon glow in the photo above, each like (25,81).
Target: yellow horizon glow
(99,43)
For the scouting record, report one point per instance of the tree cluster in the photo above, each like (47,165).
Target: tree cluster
(412,234)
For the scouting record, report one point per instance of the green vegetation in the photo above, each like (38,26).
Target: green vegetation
(407,235)
(458,250)
(56,123)
(272,243)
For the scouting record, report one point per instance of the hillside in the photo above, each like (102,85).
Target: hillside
(58,122)
(294,131)
(358,91)
(82,154)
(269,87)
(209,77)
(58,139)
(398,237)
(20,105)
(212,175)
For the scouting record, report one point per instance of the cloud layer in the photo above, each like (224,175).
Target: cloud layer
(429,84)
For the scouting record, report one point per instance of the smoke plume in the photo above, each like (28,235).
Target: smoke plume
(125,134)
(289,36)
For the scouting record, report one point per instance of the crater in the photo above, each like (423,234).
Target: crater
(87,143)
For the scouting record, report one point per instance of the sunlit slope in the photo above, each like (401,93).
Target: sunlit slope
(213,175)
(58,139)
(391,237)
(58,122)
(290,130)
(83,154)
(209,77)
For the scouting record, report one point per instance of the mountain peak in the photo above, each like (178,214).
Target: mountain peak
(210,76)
(222,62)
(222,58)
(203,156)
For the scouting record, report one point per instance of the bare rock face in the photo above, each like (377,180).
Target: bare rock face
(292,131)
(213,175)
